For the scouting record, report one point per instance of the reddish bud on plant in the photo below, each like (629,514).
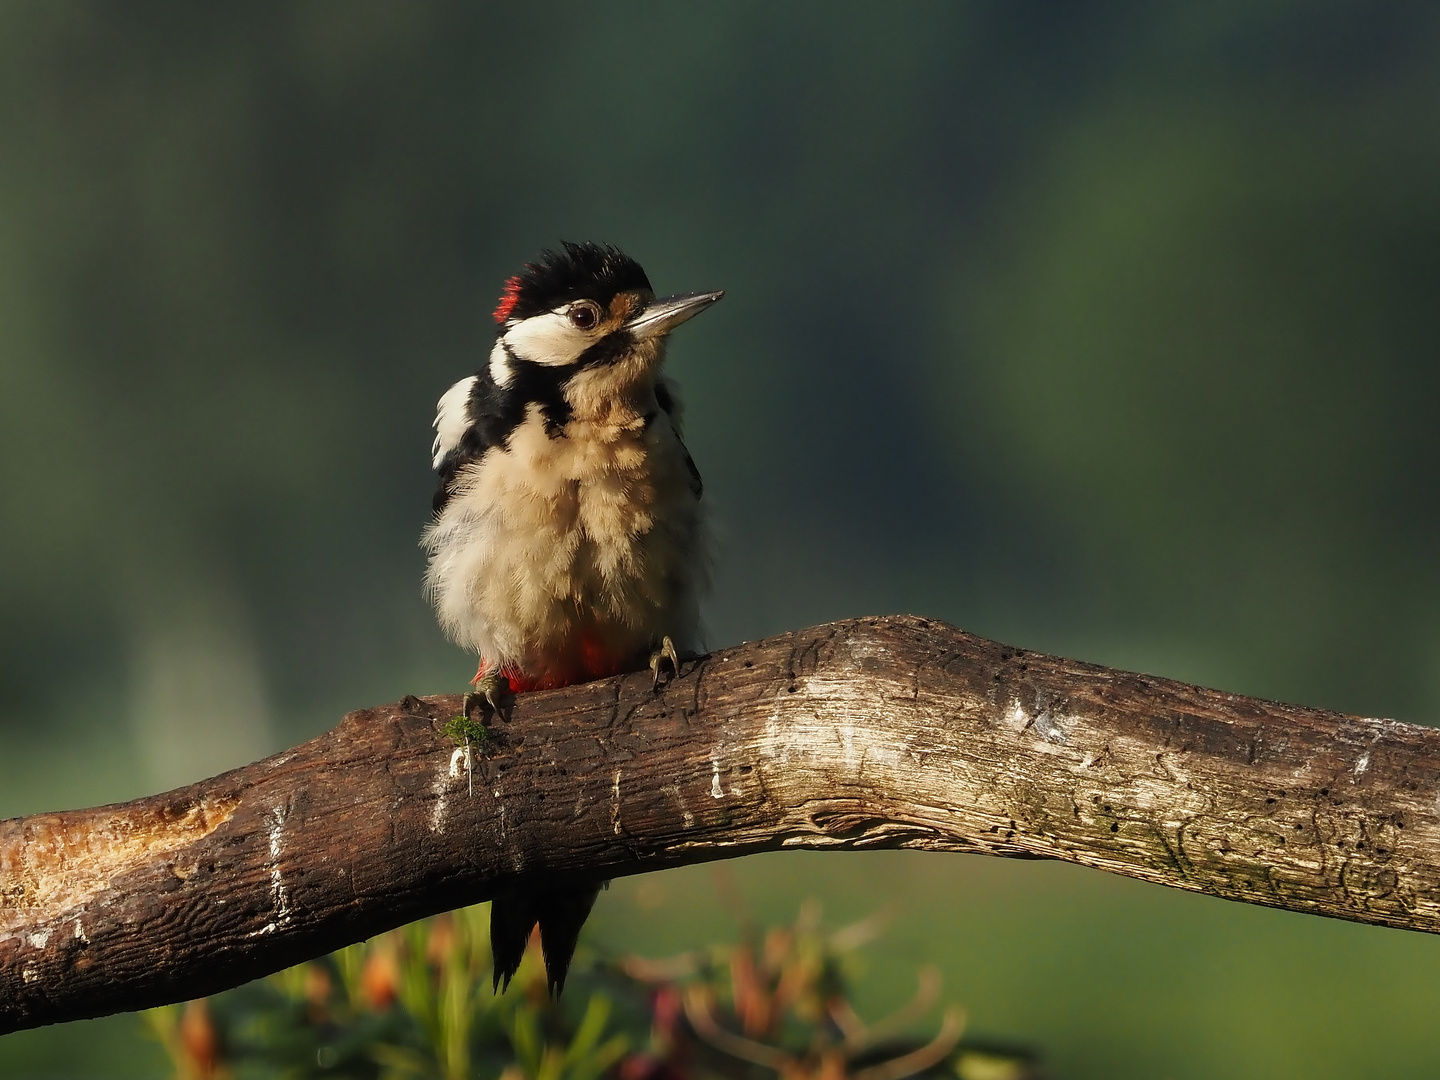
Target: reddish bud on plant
(380,979)
(199,1039)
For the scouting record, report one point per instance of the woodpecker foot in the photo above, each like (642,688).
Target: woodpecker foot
(662,656)
(492,690)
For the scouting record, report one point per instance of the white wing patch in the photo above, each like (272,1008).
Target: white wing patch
(452,418)
(500,365)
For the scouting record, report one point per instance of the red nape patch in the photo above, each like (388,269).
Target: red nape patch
(508,298)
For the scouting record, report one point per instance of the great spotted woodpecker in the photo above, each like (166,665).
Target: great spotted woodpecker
(568,542)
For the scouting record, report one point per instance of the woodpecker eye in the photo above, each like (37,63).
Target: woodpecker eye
(584,315)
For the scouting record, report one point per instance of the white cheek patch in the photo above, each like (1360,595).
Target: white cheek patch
(548,339)
(451,419)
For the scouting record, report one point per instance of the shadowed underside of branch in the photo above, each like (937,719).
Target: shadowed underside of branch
(872,733)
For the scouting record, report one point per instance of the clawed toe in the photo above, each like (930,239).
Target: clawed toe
(666,654)
(492,690)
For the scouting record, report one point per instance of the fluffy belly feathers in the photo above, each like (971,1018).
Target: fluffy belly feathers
(563,559)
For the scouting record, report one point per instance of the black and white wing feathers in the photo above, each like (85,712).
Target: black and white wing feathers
(468,422)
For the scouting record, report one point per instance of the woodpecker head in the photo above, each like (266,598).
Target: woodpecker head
(582,337)
(584,320)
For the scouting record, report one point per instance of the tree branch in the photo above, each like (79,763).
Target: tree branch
(873,733)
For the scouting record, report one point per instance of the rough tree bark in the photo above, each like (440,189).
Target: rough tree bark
(872,733)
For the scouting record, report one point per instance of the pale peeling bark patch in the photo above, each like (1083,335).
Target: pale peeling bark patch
(54,863)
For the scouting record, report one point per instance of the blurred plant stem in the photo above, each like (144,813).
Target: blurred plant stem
(413,1005)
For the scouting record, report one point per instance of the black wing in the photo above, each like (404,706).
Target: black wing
(665,398)
(697,486)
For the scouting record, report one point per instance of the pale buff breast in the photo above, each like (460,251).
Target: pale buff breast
(596,532)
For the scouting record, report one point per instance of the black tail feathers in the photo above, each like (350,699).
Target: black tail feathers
(560,912)
(512,916)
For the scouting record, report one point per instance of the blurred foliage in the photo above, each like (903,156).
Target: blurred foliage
(416,1004)
(1105,329)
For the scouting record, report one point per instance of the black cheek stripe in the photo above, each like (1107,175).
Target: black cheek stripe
(605,351)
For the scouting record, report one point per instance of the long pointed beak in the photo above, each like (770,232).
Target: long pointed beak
(662,316)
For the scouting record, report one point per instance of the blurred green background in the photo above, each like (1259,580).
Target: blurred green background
(1103,329)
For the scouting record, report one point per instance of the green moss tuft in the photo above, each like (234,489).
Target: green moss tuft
(462,729)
